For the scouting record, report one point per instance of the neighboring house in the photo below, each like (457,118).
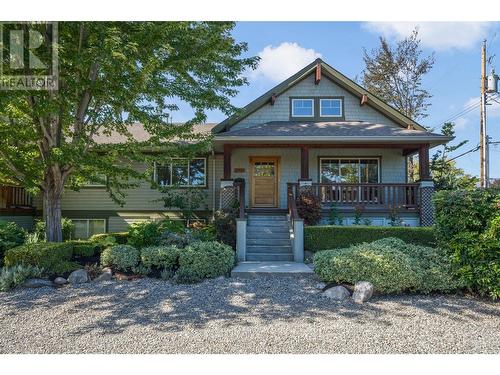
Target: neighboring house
(317,130)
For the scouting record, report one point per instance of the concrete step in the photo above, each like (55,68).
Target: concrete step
(256,269)
(266,230)
(266,217)
(283,224)
(283,249)
(263,257)
(277,241)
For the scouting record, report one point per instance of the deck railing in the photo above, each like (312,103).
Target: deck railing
(384,195)
(12,197)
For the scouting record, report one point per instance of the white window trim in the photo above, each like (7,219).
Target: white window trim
(204,185)
(88,223)
(311,100)
(349,158)
(321,107)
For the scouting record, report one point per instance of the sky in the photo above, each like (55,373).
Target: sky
(454,81)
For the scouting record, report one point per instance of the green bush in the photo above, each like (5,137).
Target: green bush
(225,226)
(149,233)
(324,237)
(84,249)
(53,257)
(203,260)
(468,229)
(120,238)
(67,229)
(160,257)
(10,277)
(120,257)
(11,235)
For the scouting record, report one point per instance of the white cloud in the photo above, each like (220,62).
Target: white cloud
(435,35)
(461,123)
(279,63)
(492,107)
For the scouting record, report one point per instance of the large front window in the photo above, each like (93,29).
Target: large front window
(349,170)
(85,228)
(182,172)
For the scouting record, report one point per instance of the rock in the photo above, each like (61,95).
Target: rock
(78,277)
(105,276)
(60,281)
(363,290)
(338,293)
(37,283)
(107,270)
(320,286)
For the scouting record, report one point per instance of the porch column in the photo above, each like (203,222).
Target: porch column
(426,188)
(227,161)
(304,163)
(423,160)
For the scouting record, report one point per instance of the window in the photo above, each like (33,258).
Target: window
(330,107)
(302,108)
(349,170)
(182,172)
(85,228)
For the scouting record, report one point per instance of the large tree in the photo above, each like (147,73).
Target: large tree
(394,73)
(112,75)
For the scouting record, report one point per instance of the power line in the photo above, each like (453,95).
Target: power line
(464,153)
(462,112)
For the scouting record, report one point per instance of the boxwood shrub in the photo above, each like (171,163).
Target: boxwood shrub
(11,235)
(324,237)
(84,249)
(160,257)
(120,257)
(53,257)
(202,260)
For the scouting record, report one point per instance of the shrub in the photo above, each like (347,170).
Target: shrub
(11,235)
(203,260)
(467,228)
(120,257)
(67,229)
(389,270)
(149,233)
(10,277)
(225,226)
(53,257)
(84,249)
(309,207)
(160,257)
(119,238)
(324,237)
(180,240)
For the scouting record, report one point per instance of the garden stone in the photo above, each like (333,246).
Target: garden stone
(105,276)
(363,290)
(320,286)
(338,293)
(107,270)
(78,277)
(37,283)
(60,281)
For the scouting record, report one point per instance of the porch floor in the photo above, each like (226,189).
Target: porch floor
(254,269)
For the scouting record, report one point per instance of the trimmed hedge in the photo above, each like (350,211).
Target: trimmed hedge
(160,257)
(53,257)
(85,249)
(11,235)
(324,237)
(120,237)
(121,257)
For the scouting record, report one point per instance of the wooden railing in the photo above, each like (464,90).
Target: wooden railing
(291,202)
(383,195)
(240,185)
(14,197)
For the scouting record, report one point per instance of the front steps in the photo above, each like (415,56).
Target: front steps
(268,238)
(248,270)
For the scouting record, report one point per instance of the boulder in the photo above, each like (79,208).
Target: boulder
(107,270)
(60,281)
(105,276)
(363,290)
(338,293)
(320,286)
(37,283)
(78,277)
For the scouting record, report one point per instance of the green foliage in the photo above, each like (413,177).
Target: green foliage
(225,226)
(390,264)
(10,277)
(11,235)
(160,257)
(85,249)
(394,218)
(445,174)
(325,237)
(203,260)
(120,257)
(309,207)
(335,218)
(187,199)
(51,256)
(67,229)
(467,228)
(110,239)
(150,233)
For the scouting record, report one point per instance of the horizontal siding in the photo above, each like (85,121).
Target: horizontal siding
(26,222)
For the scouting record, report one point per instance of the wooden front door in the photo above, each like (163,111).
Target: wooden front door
(264,176)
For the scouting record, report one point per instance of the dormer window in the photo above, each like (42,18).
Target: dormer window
(330,107)
(302,107)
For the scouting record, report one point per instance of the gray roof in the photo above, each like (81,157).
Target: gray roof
(326,129)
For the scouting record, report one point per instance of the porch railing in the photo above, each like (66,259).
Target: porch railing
(291,203)
(383,195)
(14,197)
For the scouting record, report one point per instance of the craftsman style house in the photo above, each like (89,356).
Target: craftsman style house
(317,130)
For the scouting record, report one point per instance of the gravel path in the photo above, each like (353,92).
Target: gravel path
(267,315)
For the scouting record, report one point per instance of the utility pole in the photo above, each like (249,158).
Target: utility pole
(483,142)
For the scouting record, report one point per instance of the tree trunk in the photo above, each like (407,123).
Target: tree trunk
(52,208)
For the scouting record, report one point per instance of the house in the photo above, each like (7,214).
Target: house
(317,130)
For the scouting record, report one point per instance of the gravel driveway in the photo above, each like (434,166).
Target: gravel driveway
(265,315)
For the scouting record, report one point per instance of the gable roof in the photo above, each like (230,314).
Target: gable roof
(334,75)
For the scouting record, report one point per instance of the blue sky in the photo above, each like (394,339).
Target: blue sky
(454,82)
